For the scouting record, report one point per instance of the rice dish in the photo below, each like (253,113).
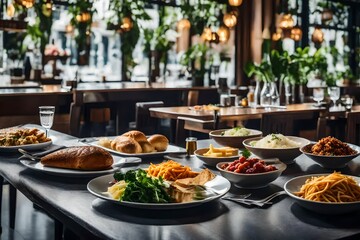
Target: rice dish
(275,141)
(237,132)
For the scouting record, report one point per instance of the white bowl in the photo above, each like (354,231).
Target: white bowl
(212,161)
(232,141)
(294,185)
(331,162)
(252,180)
(286,155)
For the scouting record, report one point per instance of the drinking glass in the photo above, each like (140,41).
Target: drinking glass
(318,95)
(47,117)
(348,103)
(334,93)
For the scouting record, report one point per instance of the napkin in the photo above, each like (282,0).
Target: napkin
(44,151)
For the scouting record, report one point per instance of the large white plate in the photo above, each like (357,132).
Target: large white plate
(170,149)
(29,147)
(37,166)
(294,185)
(99,185)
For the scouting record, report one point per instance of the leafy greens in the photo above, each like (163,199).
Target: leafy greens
(141,188)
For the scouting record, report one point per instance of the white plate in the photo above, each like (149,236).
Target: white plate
(37,166)
(99,185)
(29,147)
(294,185)
(170,149)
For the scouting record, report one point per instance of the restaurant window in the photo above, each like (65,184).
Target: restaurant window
(101,54)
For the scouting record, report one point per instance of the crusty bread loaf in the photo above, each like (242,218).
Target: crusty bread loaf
(159,142)
(136,135)
(126,145)
(80,158)
(147,147)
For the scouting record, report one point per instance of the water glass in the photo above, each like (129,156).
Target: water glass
(318,95)
(334,94)
(46,117)
(348,103)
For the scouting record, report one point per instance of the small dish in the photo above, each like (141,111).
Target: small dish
(331,162)
(286,155)
(232,141)
(253,180)
(212,161)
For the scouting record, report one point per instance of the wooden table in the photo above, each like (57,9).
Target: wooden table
(67,200)
(277,119)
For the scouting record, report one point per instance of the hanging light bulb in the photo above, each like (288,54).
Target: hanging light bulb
(206,34)
(277,35)
(296,33)
(214,37)
(286,22)
(326,15)
(235,3)
(183,24)
(83,17)
(27,3)
(223,33)
(69,28)
(127,24)
(230,19)
(318,35)
(10,10)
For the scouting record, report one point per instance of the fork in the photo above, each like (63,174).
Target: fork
(259,202)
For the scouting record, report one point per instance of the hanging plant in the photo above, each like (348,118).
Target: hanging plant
(81,18)
(125,17)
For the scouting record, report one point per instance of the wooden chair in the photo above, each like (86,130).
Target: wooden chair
(287,123)
(143,121)
(353,127)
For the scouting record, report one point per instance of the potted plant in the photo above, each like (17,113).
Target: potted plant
(195,59)
(125,18)
(157,44)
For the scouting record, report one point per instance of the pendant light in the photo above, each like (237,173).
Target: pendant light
(127,24)
(230,19)
(223,33)
(286,21)
(235,3)
(206,34)
(318,35)
(296,33)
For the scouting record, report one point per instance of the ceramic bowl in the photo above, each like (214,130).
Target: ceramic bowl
(286,155)
(232,141)
(253,180)
(331,162)
(212,161)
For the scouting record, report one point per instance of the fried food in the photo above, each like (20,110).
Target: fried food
(171,171)
(22,136)
(330,146)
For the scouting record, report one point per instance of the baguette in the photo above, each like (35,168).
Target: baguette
(80,158)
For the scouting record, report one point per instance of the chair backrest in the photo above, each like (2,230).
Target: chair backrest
(277,123)
(353,127)
(143,121)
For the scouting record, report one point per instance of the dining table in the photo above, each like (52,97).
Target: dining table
(66,199)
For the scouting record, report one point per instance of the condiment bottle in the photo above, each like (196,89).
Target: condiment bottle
(191,145)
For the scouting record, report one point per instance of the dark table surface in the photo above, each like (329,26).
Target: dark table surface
(67,199)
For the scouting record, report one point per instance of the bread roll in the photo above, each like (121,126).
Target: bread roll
(125,145)
(147,147)
(80,158)
(136,135)
(159,142)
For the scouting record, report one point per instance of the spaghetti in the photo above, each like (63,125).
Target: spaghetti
(333,188)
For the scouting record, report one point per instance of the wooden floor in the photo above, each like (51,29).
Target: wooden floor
(31,224)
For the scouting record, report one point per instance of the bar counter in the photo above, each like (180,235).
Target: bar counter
(67,200)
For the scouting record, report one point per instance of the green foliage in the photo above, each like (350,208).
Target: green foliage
(141,188)
(262,71)
(300,66)
(196,56)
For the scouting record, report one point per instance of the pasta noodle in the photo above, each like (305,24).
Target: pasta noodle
(334,188)
(170,171)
